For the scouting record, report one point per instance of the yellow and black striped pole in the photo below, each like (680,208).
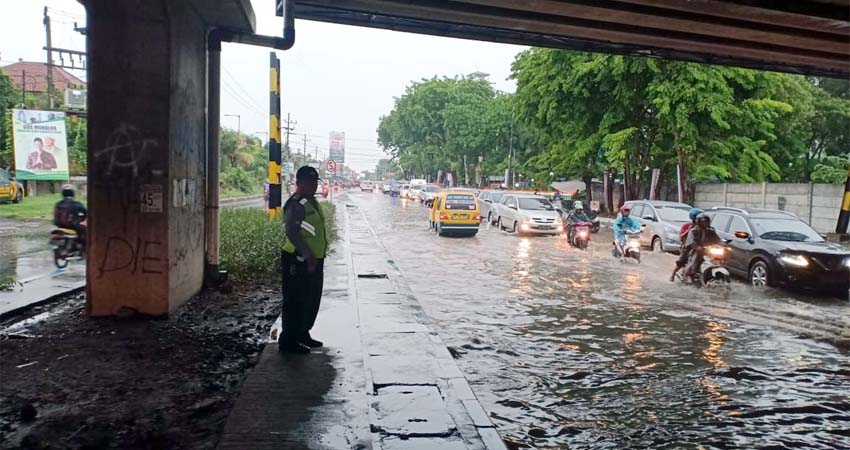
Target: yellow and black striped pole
(275,192)
(844,215)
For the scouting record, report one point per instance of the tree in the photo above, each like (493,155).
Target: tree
(446,124)
(8,98)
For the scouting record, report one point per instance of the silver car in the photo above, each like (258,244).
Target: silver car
(663,221)
(529,214)
(427,194)
(488,201)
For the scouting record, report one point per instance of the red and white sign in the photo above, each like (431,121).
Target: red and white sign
(331,166)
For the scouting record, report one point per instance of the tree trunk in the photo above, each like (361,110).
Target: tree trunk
(588,187)
(609,192)
(627,182)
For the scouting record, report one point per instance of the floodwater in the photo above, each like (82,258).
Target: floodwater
(24,249)
(572,349)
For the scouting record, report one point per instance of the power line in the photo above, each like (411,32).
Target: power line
(239,85)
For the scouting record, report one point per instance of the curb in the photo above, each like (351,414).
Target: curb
(52,298)
(225,201)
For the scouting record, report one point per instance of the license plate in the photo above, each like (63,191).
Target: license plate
(544,227)
(460,216)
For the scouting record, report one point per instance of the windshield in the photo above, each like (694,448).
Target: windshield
(792,230)
(405,186)
(460,201)
(4,176)
(497,197)
(674,214)
(432,189)
(535,204)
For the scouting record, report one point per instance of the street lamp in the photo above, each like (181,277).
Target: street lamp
(238,122)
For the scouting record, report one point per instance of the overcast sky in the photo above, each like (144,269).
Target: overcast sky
(335,78)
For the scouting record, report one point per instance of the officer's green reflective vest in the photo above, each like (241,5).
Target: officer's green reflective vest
(312,230)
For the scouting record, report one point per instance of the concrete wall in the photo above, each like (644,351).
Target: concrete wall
(187,164)
(147,71)
(817,204)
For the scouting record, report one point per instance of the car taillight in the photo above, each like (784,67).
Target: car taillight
(477,217)
(444,216)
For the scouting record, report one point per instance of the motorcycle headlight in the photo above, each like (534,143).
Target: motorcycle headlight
(633,243)
(847,263)
(716,252)
(794,260)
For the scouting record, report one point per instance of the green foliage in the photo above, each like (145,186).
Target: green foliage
(244,163)
(39,207)
(251,244)
(77,135)
(9,283)
(593,113)
(832,169)
(8,97)
(439,121)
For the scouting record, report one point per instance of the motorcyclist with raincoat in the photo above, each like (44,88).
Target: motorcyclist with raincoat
(71,214)
(625,222)
(700,236)
(683,236)
(577,215)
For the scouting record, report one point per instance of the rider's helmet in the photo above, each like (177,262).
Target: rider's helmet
(578,205)
(703,220)
(693,213)
(68,191)
(627,208)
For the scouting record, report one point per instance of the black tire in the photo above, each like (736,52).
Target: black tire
(490,218)
(513,230)
(19,197)
(759,275)
(499,224)
(60,258)
(656,245)
(439,229)
(582,244)
(636,256)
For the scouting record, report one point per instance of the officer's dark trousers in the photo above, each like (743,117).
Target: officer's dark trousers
(302,294)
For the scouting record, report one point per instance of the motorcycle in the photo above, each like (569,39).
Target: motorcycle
(594,221)
(580,235)
(711,272)
(66,246)
(628,247)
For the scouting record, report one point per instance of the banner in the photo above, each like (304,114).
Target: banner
(337,146)
(41,149)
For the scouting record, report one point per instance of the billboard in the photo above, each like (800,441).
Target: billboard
(337,146)
(41,148)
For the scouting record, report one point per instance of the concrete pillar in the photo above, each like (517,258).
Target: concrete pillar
(147,128)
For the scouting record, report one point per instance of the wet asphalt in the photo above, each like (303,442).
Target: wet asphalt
(573,349)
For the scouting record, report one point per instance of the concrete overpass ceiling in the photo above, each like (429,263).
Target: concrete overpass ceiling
(236,15)
(799,36)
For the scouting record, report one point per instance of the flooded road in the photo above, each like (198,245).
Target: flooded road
(572,349)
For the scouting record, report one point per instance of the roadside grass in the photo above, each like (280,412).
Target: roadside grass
(39,207)
(250,244)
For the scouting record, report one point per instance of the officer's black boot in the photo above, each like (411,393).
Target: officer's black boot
(293,347)
(310,342)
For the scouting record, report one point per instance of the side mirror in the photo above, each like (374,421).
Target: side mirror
(643,225)
(512,207)
(742,235)
(649,218)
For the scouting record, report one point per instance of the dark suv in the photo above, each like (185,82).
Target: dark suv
(770,247)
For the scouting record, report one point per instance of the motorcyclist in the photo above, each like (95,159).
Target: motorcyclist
(575,216)
(700,235)
(71,214)
(625,222)
(683,236)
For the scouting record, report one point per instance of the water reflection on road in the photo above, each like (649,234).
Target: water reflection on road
(573,349)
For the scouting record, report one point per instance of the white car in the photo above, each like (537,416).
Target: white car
(405,191)
(427,194)
(528,214)
(416,187)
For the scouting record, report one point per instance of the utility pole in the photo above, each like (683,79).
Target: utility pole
(23,88)
(316,150)
(49,48)
(289,128)
(304,148)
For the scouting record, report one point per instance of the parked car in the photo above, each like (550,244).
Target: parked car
(775,248)
(489,200)
(427,194)
(10,188)
(416,187)
(395,189)
(455,213)
(366,186)
(663,221)
(529,214)
(387,185)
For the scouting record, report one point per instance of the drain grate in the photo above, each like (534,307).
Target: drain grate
(371,275)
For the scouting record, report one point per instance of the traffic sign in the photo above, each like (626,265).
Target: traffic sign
(331,166)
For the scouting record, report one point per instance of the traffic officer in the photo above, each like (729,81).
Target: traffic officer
(302,263)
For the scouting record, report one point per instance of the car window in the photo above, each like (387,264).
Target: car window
(496,196)
(637,209)
(720,222)
(4,177)
(737,224)
(648,211)
(432,189)
(535,204)
(673,214)
(506,200)
(484,196)
(789,230)
(460,201)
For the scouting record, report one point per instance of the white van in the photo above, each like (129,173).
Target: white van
(416,186)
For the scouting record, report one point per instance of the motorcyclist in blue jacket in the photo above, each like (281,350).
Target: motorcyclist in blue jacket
(625,222)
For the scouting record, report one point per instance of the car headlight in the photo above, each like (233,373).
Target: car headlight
(670,230)
(847,263)
(794,260)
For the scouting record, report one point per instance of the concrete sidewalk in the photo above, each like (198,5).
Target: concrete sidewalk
(384,379)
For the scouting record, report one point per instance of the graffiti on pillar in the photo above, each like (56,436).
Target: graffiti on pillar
(139,257)
(126,151)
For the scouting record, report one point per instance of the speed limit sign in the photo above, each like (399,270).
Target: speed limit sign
(331,166)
